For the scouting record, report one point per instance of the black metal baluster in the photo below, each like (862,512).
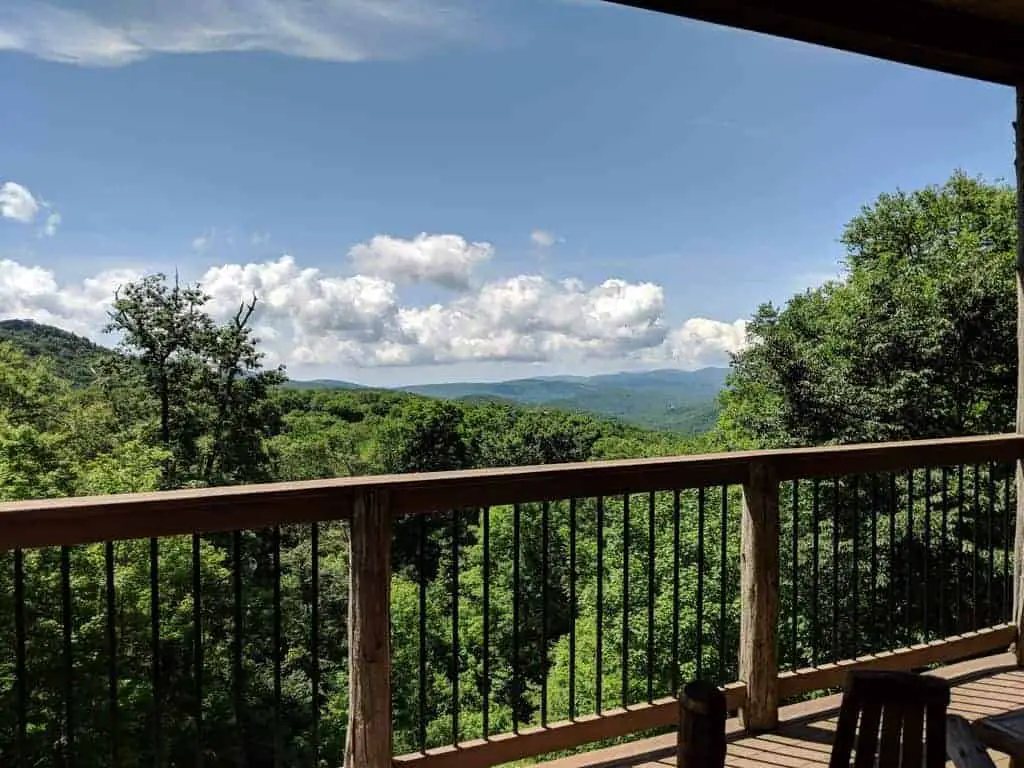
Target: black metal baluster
(723,584)
(599,620)
(1007,541)
(572,609)
(197,645)
(154,615)
(910,554)
(456,656)
(675,591)
(314,639)
(650,597)
(278,735)
(516,685)
(112,680)
(69,665)
(989,618)
(701,499)
(236,649)
(794,608)
(961,501)
(544,577)
(422,568)
(927,549)
(874,555)
(815,567)
(21,675)
(893,504)
(855,591)
(625,600)
(976,513)
(944,550)
(835,569)
(487,623)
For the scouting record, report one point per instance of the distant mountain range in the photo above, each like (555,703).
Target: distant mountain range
(673,400)
(683,401)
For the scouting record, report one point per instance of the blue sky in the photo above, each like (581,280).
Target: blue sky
(676,174)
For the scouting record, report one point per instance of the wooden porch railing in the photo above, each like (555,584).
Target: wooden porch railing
(371,504)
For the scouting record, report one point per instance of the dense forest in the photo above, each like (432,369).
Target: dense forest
(234,645)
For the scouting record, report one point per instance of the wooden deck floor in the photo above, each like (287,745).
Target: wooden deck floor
(987,686)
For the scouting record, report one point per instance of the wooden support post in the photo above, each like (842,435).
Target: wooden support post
(368,742)
(701,742)
(759,598)
(1018,545)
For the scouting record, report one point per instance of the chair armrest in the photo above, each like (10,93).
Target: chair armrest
(963,747)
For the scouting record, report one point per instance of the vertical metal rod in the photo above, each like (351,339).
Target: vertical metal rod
(723,584)
(599,619)
(572,609)
(855,591)
(236,649)
(154,614)
(961,502)
(910,554)
(422,568)
(795,598)
(625,600)
(893,504)
(815,567)
(650,597)
(701,499)
(278,731)
(944,549)
(456,655)
(21,675)
(69,663)
(675,590)
(197,645)
(314,639)
(486,725)
(989,597)
(836,599)
(112,679)
(874,552)
(517,690)
(545,544)
(926,613)
(1007,540)
(974,546)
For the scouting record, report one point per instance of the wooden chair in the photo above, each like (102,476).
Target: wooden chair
(891,719)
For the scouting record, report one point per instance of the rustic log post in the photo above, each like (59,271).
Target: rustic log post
(368,741)
(1018,544)
(701,741)
(759,598)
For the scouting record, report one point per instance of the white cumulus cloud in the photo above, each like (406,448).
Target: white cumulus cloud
(115,34)
(446,260)
(33,293)
(17,203)
(307,316)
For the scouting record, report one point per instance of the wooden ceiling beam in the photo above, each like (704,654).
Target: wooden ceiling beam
(915,32)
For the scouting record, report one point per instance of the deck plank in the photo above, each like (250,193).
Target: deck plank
(982,687)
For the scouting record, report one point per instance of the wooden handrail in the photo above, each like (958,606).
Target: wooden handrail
(80,520)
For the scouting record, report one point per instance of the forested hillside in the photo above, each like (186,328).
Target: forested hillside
(668,400)
(589,602)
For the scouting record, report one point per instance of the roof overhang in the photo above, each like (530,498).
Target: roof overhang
(981,39)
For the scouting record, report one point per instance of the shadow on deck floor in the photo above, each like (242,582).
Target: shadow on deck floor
(982,687)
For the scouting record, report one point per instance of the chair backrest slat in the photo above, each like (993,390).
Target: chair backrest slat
(901,718)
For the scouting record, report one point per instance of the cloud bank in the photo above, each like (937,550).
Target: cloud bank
(308,316)
(116,33)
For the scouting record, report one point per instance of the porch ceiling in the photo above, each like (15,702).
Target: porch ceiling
(981,39)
